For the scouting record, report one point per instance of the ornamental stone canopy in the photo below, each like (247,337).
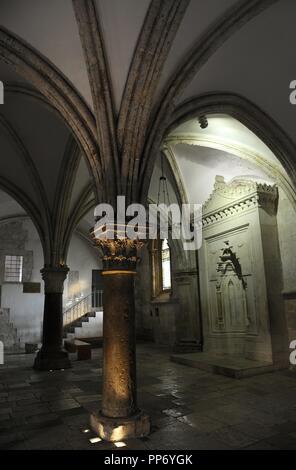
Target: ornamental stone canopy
(230,199)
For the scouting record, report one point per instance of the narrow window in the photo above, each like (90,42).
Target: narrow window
(166,265)
(13,268)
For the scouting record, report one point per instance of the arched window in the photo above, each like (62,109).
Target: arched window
(165,265)
(161,267)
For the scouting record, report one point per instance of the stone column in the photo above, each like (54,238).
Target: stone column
(120,417)
(52,356)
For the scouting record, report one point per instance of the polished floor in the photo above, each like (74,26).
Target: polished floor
(189,408)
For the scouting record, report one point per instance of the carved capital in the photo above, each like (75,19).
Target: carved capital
(122,254)
(54,278)
(119,253)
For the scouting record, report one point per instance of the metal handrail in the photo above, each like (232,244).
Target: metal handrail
(89,303)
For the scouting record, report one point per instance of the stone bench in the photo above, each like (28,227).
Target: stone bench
(82,348)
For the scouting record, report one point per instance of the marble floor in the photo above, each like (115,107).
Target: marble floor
(189,408)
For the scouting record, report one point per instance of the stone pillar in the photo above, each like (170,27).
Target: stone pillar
(120,417)
(188,324)
(52,356)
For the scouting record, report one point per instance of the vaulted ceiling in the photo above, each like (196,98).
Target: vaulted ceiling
(226,148)
(94,87)
(42,170)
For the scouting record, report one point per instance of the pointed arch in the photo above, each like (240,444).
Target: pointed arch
(84,205)
(30,208)
(99,78)
(31,170)
(213,38)
(159,29)
(242,109)
(66,179)
(60,93)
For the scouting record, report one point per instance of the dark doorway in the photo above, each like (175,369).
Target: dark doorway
(96,288)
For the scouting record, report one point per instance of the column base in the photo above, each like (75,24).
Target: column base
(118,429)
(51,360)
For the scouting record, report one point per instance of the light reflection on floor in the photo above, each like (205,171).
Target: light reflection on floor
(189,408)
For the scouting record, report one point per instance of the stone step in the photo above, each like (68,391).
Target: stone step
(229,366)
(88,317)
(93,327)
(186,346)
(95,342)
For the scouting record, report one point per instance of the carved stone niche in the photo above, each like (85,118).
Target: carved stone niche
(240,272)
(233,312)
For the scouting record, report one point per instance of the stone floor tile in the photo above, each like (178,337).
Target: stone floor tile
(282,441)
(64,404)
(189,408)
(5,411)
(174,412)
(231,437)
(87,398)
(201,423)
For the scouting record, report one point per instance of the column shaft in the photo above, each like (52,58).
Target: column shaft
(119,363)
(119,417)
(51,355)
(52,321)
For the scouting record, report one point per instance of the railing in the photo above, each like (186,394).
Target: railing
(89,303)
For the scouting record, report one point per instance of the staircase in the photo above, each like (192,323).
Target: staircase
(84,319)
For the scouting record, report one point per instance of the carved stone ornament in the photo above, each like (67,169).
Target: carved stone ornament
(119,253)
(228,259)
(230,199)
(232,307)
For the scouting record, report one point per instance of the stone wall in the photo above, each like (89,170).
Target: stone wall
(82,259)
(290,309)
(8,334)
(19,237)
(265,243)
(287,240)
(169,317)
(143,294)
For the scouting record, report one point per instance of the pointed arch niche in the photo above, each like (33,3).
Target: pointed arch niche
(239,167)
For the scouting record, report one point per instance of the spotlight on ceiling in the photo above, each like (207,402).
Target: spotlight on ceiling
(203,122)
